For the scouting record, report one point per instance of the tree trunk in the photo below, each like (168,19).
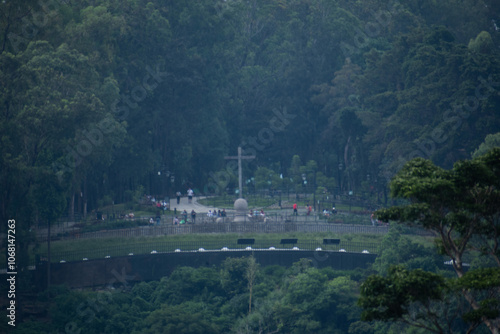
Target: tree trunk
(72,207)
(48,255)
(85,197)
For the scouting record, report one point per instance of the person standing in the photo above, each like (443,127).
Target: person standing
(178,194)
(295,209)
(190,194)
(193,216)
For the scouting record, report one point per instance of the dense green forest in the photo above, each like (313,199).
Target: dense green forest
(101,98)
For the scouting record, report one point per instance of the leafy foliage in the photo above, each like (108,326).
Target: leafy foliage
(364,86)
(389,298)
(194,300)
(105,94)
(460,207)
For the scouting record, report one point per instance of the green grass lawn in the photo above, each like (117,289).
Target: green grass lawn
(72,250)
(74,245)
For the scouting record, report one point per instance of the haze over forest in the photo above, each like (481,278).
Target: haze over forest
(104,101)
(100,98)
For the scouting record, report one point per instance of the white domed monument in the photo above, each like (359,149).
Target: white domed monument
(240,205)
(241,209)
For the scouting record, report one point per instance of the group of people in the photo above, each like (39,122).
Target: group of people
(216,213)
(309,210)
(184,216)
(184,219)
(190,194)
(256,213)
(327,213)
(158,203)
(155,221)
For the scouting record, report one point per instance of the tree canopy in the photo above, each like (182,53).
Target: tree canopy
(107,94)
(460,206)
(101,100)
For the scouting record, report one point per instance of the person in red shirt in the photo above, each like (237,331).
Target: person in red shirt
(295,209)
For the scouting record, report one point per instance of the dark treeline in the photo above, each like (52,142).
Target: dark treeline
(101,98)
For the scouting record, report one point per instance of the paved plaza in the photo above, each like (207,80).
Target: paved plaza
(194,205)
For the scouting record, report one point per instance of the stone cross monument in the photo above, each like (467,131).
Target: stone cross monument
(240,205)
(240,179)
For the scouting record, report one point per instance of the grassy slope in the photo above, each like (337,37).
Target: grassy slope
(98,248)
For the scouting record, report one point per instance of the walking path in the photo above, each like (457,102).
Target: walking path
(194,205)
(200,208)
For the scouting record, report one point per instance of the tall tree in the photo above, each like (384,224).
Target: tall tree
(460,206)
